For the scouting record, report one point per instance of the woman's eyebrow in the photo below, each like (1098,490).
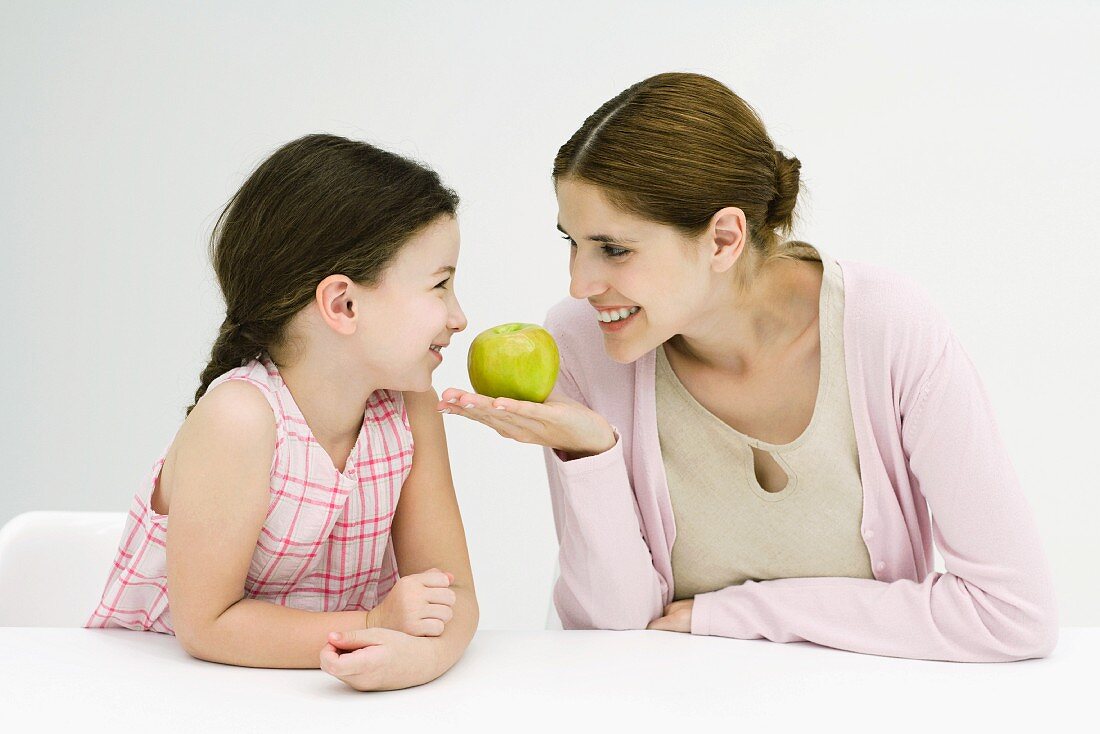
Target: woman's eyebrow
(445,269)
(605,238)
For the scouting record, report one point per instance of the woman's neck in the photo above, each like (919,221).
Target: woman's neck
(742,327)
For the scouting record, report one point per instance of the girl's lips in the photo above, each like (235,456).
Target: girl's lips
(610,327)
(438,355)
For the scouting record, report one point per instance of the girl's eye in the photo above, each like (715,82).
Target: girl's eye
(569,239)
(443,284)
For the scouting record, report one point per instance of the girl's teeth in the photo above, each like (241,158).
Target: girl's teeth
(608,316)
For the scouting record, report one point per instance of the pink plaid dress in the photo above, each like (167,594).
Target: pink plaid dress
(325,543)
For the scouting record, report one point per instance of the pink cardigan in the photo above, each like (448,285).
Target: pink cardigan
(927,441)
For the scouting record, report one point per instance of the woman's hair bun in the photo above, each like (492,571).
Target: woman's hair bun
(781,209)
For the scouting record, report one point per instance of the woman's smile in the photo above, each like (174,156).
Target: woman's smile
(615,320)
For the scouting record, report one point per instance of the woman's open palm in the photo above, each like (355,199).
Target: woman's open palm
(559,423)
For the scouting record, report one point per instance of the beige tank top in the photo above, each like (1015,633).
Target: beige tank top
(728,528)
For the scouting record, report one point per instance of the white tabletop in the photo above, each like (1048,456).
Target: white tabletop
(98,679)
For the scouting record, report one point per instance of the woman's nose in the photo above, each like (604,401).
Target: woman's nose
(584,282)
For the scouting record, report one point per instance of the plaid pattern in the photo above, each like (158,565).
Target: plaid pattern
(325,543)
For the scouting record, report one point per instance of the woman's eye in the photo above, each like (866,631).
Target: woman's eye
(444,283)
(609,250)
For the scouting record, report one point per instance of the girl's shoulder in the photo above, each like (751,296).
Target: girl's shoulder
(240,408)
(237,404)
(229,435)
(260,373)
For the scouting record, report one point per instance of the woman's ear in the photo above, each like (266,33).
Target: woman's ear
(727,235)
(335,303)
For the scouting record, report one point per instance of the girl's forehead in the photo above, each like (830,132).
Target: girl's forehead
(433,247)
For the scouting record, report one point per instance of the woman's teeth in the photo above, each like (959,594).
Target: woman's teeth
(609,316)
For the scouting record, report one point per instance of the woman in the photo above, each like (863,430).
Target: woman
(748,438)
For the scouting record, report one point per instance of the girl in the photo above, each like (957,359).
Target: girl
(748,438)
(273,518)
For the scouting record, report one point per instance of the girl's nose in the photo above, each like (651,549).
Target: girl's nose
(457,322)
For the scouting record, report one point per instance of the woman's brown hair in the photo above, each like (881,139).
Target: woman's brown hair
(320,205)
(676,148)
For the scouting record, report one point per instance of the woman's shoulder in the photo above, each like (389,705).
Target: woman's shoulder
(879,295)
(890,319)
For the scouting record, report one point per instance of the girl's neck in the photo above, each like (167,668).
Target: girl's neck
(331,404)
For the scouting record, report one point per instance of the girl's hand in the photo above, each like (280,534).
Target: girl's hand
(419,604)
(559,423)
(677,617)
(380,659)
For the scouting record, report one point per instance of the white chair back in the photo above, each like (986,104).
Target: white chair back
(54,565)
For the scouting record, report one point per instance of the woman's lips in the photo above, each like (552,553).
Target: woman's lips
(610,327)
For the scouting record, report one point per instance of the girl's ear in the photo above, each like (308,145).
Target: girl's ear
(335,304)
(727,234)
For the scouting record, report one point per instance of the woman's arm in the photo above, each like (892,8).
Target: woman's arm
(995,603)
(219,473)
(607,579)
(607,576)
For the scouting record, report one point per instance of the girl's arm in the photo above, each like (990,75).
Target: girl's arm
(427,533)
(218,471)
(427,529)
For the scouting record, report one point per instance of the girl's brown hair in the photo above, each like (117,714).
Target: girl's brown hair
(676,148)
(320,205)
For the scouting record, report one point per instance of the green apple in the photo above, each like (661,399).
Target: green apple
(517,361)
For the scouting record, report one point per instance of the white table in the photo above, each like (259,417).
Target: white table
(80,680)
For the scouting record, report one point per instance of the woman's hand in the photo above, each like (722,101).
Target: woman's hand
(677,617)
(380,659)
(419,604)
(559,423)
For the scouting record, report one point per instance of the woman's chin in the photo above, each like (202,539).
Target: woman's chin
(623,353)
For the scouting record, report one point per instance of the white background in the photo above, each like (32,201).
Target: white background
(956,143)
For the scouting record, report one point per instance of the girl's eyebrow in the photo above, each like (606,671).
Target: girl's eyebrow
(445,269)
(605,238)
